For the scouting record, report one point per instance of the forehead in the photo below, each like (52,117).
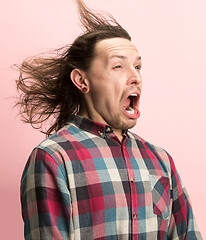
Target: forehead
(109,47)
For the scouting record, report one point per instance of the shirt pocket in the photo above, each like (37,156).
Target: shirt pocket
(160,187)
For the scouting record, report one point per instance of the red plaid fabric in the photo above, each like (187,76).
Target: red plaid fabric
(82,183)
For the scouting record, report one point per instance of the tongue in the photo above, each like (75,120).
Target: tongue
(127,103)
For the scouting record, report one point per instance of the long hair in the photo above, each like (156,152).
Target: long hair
(46,90)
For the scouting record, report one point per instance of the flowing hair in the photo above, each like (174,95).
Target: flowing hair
(46,89)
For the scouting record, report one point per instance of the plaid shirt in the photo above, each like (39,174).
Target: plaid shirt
(82,183)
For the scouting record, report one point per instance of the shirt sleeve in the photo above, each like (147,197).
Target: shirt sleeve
(182,224)
(45,198)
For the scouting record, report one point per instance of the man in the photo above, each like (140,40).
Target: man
(93,178)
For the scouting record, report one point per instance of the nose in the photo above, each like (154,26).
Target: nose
(134,77)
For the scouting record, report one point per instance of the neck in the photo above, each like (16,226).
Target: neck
(86,114)
(118,133)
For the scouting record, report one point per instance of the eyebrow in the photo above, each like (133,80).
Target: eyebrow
(123,57)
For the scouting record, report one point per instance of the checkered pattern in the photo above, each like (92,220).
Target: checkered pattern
(82,183)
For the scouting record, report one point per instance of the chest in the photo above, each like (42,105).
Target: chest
(126,179)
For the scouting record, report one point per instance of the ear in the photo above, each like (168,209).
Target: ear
(79,79)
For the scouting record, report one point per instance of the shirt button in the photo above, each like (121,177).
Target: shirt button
(100,133)
(134,215)
(132,180)
(108,129)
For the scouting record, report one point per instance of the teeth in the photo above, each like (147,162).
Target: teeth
(133,95)
(130,111)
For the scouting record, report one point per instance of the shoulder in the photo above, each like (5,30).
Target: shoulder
(57,144)
(148,145)
(152,151)
(59,140)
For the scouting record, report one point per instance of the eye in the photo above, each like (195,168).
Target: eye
(138,67)
(117,66)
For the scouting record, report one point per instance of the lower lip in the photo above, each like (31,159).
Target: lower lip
(134,115)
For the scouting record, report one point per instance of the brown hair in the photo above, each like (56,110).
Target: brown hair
(44,81)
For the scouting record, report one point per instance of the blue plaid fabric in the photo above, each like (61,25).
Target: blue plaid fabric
(82,183)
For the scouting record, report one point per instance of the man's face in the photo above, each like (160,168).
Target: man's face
(115,84)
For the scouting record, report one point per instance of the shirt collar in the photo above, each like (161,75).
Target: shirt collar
(91,126)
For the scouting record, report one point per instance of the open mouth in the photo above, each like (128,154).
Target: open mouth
(131,106)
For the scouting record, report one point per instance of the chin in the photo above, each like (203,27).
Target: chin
(131,125)
(126,124)
(121,122)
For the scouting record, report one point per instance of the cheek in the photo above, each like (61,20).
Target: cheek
(98,94)
(100,87)
(106,89)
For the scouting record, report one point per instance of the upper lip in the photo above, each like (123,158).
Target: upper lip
(136,95)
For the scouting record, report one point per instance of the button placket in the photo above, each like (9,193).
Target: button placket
(134,216)
(133,186)
(132,180)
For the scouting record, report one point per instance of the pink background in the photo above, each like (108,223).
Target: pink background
(171,38)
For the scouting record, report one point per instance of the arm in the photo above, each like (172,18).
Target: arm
(182,224)
(45,198)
